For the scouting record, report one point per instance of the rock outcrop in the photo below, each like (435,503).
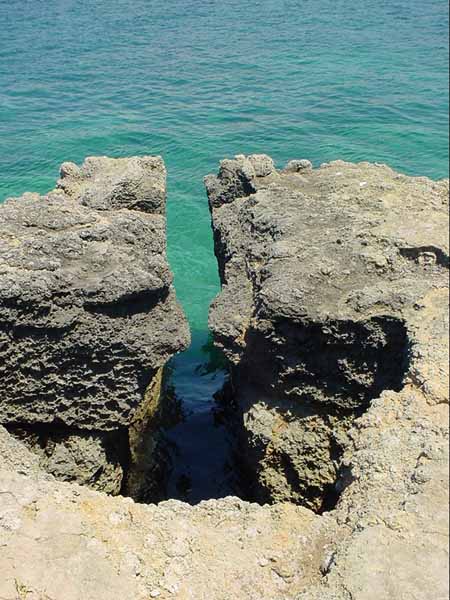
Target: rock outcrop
(386,537)
(64,542)
(88,315)
(325,274)
(386,540)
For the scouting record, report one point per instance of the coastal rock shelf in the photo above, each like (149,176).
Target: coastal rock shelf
(88,315)
(334,318)
(324,274)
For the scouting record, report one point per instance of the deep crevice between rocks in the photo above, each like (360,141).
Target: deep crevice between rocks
(312,384)
(324,398)
(308,385)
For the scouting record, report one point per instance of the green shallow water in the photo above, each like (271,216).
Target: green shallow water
(196,81)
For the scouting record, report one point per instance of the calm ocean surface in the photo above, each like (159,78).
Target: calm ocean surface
(198,80)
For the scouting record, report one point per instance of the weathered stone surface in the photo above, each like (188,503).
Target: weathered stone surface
(15,457)
(98,459)
(323,273)
(88,314)
(103,183)
(391,540)
(87,294)
(64,542)
(386,539)
(150,462)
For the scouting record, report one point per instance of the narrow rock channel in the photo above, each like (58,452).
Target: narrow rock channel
(333,320)
(202,463)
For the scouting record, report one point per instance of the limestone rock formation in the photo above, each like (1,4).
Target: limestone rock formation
(65,542)
(387,539)
(90,458)
(88,315)
(347,349)
(324,275)
(15,457)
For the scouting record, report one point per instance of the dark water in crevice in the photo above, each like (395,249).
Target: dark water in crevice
(200,443)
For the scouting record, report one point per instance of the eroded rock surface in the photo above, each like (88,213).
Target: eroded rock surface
(324,272)
(88,315)
(392,517)
(95,459)
(386,539)
(61,541)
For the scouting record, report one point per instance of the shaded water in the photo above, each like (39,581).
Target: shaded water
(196,81)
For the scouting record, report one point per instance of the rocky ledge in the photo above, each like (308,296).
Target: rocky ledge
(387,539)
(88,316)
(327,275)
(374,420)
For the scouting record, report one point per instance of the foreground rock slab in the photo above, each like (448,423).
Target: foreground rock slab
(88,315)
(325,275)
(61,541)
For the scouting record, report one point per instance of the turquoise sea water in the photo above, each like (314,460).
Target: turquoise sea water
(198,80)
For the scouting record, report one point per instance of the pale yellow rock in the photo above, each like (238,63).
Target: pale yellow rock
(63,542)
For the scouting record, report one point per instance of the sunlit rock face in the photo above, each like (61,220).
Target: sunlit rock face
(88,314)
(387,535)
(323,274)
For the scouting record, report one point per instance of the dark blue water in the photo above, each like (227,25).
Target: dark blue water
(198,80)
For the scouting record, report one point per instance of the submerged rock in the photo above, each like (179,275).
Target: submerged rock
(88,315)
(323,275)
